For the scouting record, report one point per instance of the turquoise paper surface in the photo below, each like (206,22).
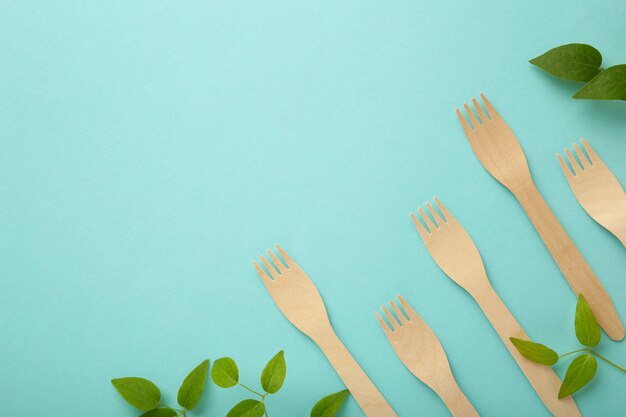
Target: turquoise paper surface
(151,150)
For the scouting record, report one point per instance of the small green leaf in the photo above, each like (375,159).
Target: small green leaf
(610,84)
(536,352)
(587,329)
(160,412)
(225,373)
(329,405)
(138,392)
(274,373)
(247,408)
(576,62)
(191,389)
(578,374)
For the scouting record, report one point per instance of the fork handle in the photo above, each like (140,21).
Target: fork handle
(362,389)
(543,379)
(569,260)
(454,399)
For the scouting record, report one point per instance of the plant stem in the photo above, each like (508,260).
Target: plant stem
(608,361)
(571,353)
(257,393)
(253,391)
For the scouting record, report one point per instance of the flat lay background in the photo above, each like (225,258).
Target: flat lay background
(151,150)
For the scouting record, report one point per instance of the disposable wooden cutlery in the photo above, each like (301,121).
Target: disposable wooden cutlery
(420,351)
(499,151)
(596,189)
(454,251)
(300,302)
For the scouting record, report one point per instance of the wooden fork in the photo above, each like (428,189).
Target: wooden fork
(454,251)
(300,302)
(597,189)
(499,151)
(421,352)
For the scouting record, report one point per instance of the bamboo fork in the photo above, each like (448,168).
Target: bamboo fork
(454,251)
(301,303)
(597,190)
(421,352)
(499,151)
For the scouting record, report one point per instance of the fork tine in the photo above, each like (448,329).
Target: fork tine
(446,213)
(471,116)
(407,307)
(288,261)
(581,157)
(466,127)
(490,109)
(273,272)
(388,330)
(277,262)
(573,162)
(264,277)
(391,318)
(436,215)
(593,156)
(479,110)
(399,313)
(568,172)
(420,227)
(431,225)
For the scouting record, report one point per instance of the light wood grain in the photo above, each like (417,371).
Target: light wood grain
(301,303)
(420,351)
(597,190)
(455,253)
(499,151)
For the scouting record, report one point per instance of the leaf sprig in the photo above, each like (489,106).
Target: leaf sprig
(581,62)
(583,368)
(225,374)
(146,396)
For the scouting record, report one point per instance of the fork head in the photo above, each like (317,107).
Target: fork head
(451,247)
(596,188)
(294,293)
(495,144)
(414,342)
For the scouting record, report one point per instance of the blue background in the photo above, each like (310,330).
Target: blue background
(151,150)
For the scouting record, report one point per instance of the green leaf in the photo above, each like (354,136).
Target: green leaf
(329,405)
(578,374)
(247,408)
(160,412)
(191,389)
(587,329)
(576,62)
(536,352)
(225,373)
(610,84)
(138,392)
(274,373)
